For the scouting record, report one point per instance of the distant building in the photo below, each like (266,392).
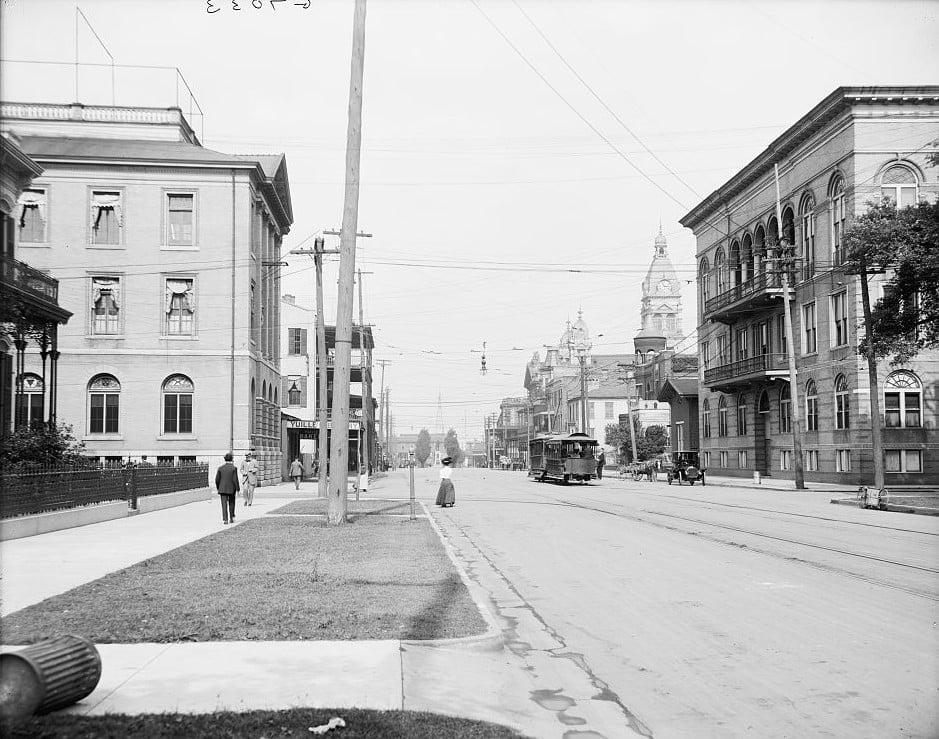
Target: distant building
(298,383)
(167,254)
(858,145)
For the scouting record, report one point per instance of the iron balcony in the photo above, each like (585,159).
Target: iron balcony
(756,294)
(736,375)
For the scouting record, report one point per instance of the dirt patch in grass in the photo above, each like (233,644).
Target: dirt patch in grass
(272,579)
(355,508)
(257,724)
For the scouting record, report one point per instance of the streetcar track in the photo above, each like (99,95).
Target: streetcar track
(815,565)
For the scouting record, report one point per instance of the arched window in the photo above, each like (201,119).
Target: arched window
(785,410)
(759,249)
(720,268)
(746,257)
(763,403)
(294,394)
(898,185)
(811,406)
(104,405)
(704,279)
(842,403)
(807,234)
(742,415)
(789,226)
(838,215)
(177,405)
(722,417)
(30,405)
(772,233)
(903,400)
(706,418)
(735,265)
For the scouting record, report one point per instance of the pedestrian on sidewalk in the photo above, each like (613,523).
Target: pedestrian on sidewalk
(226,483)
(446,494)
(296,472)
(249,478)
(601,463)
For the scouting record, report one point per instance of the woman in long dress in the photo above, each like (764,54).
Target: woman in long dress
(446,495)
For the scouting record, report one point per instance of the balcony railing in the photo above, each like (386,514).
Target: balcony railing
(762,366)
(29,279)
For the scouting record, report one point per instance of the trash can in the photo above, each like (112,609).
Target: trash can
(48,675)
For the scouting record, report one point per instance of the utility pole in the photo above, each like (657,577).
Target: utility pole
(382,405)
(582,356)
(630,387)
(339,454)
(365,365)
(790,345)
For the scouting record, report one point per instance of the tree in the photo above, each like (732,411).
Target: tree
(40,446)
(652,442)
(617,435)
(422,446)
(452,444)
(902,241)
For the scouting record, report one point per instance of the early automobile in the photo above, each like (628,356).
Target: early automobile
(683,466)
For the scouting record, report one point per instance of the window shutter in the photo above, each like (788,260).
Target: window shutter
(303,381)
(284,387)
(303,341)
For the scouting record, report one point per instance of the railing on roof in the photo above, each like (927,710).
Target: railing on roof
(29,279)
(118,86)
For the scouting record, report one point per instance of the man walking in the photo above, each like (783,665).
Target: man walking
(296,472)
(249,477)
(601,463)
(226,483)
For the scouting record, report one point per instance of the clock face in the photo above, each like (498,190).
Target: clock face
(664,286)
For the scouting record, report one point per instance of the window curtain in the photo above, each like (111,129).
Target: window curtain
(100,285)
(32,199)
(106,200)
(179,287)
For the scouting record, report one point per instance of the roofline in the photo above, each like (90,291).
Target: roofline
(11,149)
(837,102)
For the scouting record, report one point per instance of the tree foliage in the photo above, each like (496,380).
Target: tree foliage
(904,242)
(452,444)
(41,446)
(652,442)
(422,447)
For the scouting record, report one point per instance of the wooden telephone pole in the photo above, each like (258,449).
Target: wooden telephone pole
(339,454)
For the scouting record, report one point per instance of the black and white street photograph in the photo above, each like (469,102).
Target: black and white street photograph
(471,369)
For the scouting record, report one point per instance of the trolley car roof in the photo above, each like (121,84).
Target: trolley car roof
(574,437)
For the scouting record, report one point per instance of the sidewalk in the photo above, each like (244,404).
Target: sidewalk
(471,677)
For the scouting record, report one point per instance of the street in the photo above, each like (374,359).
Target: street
(711,611)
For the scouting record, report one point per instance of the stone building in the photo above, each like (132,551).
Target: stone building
(858,145)
(167,255)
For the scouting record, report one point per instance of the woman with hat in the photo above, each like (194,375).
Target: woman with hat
(446,495)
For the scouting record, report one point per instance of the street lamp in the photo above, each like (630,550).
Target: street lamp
(582,356)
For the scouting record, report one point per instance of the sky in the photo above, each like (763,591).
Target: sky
(506,143)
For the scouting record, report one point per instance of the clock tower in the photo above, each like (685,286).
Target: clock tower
(661,297)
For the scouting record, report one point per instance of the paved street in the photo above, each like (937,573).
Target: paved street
(710,611)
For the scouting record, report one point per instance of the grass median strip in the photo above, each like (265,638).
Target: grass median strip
(355,508)
(277,579)
(255,724)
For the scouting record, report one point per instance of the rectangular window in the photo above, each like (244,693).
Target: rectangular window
(706,423)
(783,346)
(608,411)
(761,338)
(296,341)
(811,413)
(903,460)
(740,339)
(838,218)
(722,353)
(107,217)
(785,415)
(839,319)
(705,354)
(165,461)
(180,219)
(179,305)
(809,329)
(32,216)
(105,305)
(742,459)
(842,410)
(680,435)
(741,420)
(785,459)
(811,460)
(590,411)
(808,245)
(104,413)
(722,422)
(842,460)
(707,460)
(724,459)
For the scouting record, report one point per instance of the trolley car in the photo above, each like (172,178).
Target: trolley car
(563,457)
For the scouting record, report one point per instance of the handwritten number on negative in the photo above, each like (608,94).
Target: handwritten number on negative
(235,5)
(274,7)
(257,4)
(303,5)
(209,7)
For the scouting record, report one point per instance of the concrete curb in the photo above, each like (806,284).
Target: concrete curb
(492,640)
(890,507)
